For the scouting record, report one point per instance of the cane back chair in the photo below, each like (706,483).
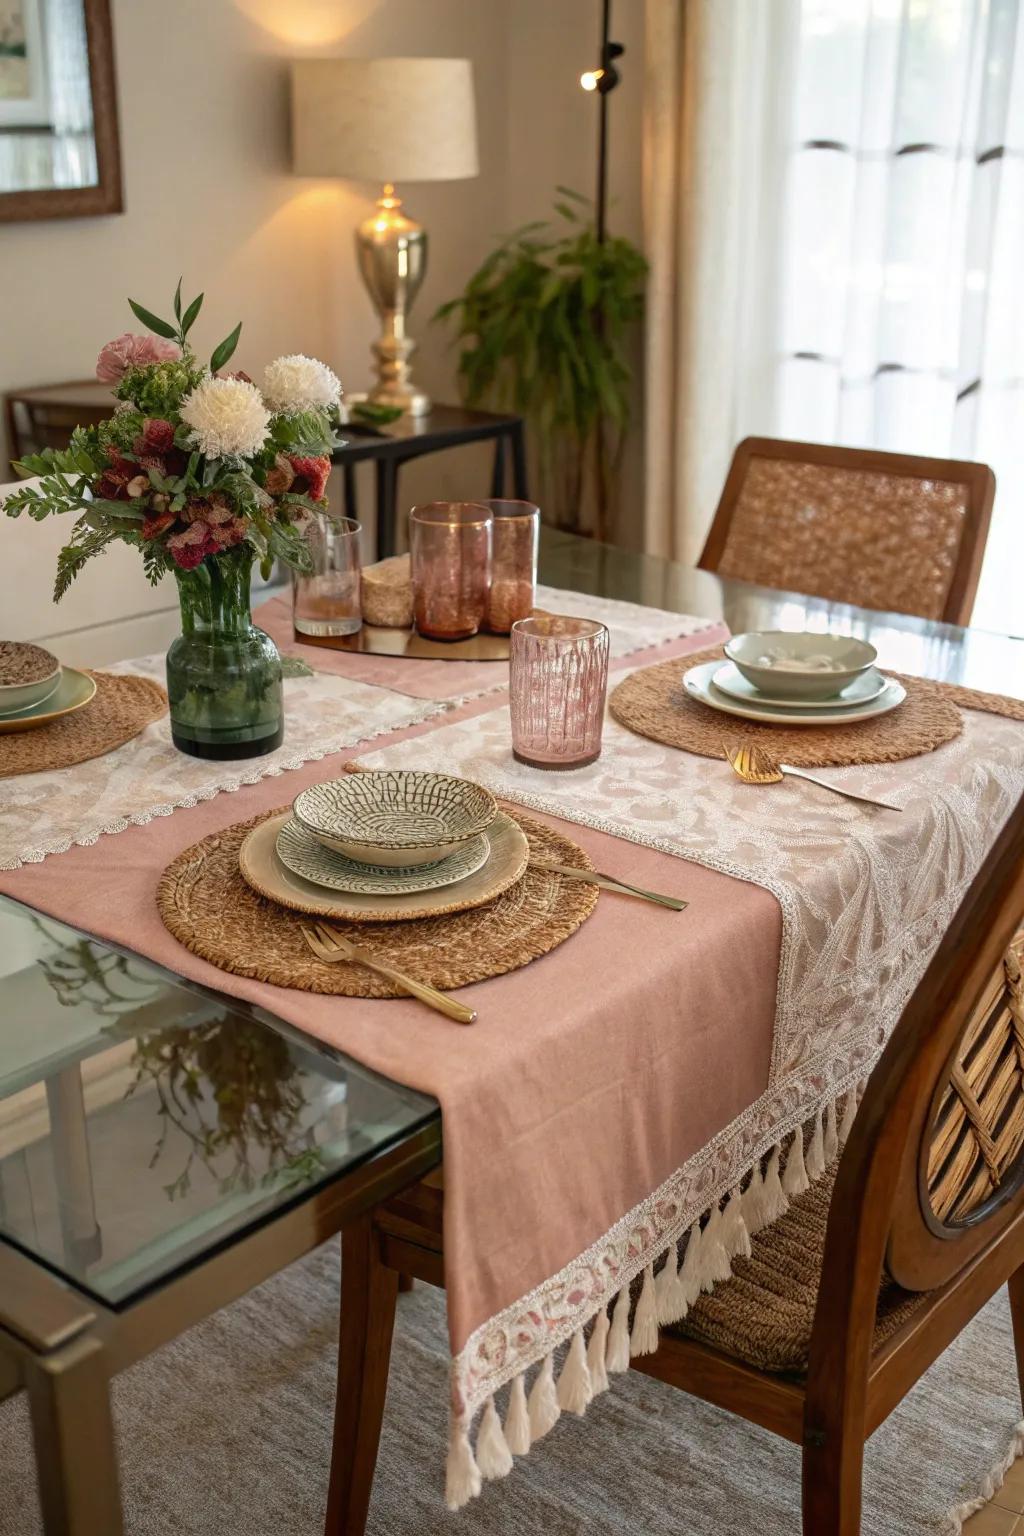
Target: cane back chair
(911,1231)
(854,525)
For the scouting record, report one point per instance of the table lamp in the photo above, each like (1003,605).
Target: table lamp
(387,120)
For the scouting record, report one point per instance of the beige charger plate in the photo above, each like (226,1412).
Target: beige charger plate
(262,869)
(74,691)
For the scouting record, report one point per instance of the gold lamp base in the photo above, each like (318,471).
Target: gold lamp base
(392,252)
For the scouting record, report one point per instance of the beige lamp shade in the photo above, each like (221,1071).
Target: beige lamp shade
(384,120)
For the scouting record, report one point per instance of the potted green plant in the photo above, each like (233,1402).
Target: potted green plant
(543,325)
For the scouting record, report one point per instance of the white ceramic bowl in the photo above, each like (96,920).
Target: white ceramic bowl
(395,817)
(802,666)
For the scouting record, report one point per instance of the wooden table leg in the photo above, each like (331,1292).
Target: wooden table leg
(369,1293)
(73,1435)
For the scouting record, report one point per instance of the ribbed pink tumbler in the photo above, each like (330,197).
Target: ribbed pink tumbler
(558,678)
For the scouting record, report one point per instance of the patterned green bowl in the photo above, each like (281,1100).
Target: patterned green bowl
(395,817)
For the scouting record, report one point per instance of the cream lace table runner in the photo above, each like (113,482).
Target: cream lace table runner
(631,627)
(865,895)
(44,813)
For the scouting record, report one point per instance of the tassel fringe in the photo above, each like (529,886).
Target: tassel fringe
(517,1420)
(462,1475)
(664,1299)
(493,1457)
(574,1386)
(617,1358)
(596,1354)
(669,1295)
(644,1338)
(795,1179)
(543,1402)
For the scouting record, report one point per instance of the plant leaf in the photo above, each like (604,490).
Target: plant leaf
(151,321)
(226,348)
(177,302)
(189,317)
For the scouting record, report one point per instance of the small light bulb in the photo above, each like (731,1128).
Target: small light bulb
(589,79)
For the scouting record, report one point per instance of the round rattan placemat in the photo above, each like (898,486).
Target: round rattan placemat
(121,708)
(207,906)
(653,703)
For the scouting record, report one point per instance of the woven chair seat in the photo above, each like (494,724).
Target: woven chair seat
(764,1314)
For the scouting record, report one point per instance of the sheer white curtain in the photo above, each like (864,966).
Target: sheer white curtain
(715,135)
(891,285)
(903,258)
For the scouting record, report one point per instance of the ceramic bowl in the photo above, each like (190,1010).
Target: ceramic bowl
(395,818)
(14,696)
(799,666)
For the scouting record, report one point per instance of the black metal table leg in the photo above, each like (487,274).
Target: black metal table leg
(517,438)
(498,472)
(351,499)
(387,496)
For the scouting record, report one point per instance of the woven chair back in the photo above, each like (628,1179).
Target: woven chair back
(886,531)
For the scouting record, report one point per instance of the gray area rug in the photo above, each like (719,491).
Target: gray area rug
(227,1432)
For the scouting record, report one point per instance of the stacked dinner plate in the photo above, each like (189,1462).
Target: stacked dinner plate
(386,846)
(35,688)
(795,679)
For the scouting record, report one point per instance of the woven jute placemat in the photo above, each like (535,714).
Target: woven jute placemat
(121,707)
(208,907)
(654,703)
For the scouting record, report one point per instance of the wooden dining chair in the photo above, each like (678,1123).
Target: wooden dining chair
(881,530)
(847,1299)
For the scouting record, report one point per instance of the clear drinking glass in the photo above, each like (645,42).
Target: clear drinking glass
(327,600)
(558,679)
(515,538)
(450,544)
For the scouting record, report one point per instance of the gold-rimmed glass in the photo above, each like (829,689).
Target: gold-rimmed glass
(450,545)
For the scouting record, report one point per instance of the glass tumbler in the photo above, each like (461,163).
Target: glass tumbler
(450,543)
(327,600)
(558,679)
(515,538)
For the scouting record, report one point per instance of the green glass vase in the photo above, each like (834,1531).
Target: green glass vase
(223,674)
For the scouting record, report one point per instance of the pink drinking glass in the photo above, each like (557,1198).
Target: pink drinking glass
(450,544)
(515,537)
(558,679)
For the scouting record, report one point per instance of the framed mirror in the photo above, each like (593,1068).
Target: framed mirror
(60,154)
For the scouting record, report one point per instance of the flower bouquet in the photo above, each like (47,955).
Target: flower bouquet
(204,473)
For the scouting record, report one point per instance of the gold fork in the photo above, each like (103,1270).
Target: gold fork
(330,945)
(756,766)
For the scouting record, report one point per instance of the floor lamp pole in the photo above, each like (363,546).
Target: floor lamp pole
(602,128)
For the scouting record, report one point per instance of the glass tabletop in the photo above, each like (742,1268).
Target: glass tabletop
(974,657)
(143,1121)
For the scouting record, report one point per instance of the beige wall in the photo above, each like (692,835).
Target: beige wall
(203,92)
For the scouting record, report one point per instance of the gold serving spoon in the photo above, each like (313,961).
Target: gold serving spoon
(756,766)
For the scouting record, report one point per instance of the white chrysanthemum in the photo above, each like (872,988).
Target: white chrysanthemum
(299,383)
(227,417)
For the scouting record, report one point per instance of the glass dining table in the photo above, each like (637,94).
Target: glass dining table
(165,1148)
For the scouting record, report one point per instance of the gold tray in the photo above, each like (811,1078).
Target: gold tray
(372,640)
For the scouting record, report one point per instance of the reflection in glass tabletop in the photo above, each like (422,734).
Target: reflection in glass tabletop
(144,1121)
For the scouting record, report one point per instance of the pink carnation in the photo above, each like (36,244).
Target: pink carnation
(130,351)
